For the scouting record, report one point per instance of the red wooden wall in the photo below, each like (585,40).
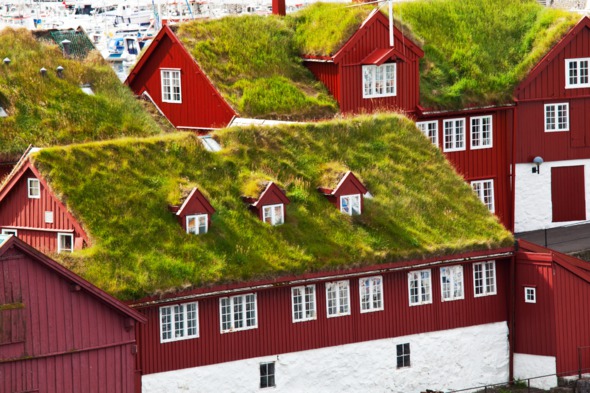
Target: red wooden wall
(568,193)
(68,341)
(276,333)
(202,106)
(27,215)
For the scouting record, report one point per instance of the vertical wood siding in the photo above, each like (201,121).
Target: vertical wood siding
(72,341)
(568,193)
(276,333)
(328,74)
(18,210)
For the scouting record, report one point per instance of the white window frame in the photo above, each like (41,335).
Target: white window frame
(197,217)
(403,355)
(530,294)
(576,84)
(168,95)
(480,187)
(452,283)
(417,280)
(487,289)
(32,185)
(555,110)
(351,199)
(341,289)
(371,294)
(243,313)
(179,314)
(430,130)
(274,220)
(307,303)
(457,141)
(8,231)
(370,83)
(60,235)
(477,132)
(270,378)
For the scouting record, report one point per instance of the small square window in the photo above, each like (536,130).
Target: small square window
(197,224)
(238,313)
(557,117)
(65,242)
(34,188)
(454,135)
(576,73)
(420,287)
(403,355)
(379,81)
(267,375)
(273,214)
(12,232)
(350,204)
(481,132)
(530,295)
(303,300)
(485,192)
(484,278)
(179,322)
(371,293)
(49,217)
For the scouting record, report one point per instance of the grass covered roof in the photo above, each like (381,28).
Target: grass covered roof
(121,190)
(49,110)
(253,62)
(476,51)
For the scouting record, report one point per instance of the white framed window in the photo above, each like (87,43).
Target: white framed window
(451,283)
(484,278)
(238,313)
(576,73)
(481,132)
(430,130)
(34,188)
(530,295)
(197,224)
(267,375)
(557,117)
(13,232)
(485,192)
(273,214)
(179,322)
(338,298)
(350,204)
(303,302)
(420,287)
(379,81)
(371,293)
(403,355)
(65,242)
(171,88)
(454,135)
(48,217)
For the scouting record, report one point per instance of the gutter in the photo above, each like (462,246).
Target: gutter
(179,299)
(487,108)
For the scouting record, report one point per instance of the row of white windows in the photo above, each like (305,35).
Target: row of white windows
(454,133)
(65,241)
(179,322)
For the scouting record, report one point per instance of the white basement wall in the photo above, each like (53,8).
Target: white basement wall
(445,360)
(533,207)
(531,366)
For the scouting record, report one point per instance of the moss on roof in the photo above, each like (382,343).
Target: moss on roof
(476,51)
(48,110)
(253,62)
(120,191)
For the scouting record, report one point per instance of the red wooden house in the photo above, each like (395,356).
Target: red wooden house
(195,212)
(59,333)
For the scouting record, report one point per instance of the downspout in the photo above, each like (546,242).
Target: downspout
(513,165)
(512,315)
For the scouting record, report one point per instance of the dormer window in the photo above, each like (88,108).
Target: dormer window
(379,81)
(350,204)
(197,224)
(34,188)
(273,214)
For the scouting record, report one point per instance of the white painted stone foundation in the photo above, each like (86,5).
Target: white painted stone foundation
(445,360)
(533,206)
(530,366)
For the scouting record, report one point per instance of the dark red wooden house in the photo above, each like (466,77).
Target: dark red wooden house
(269,206)
(194,215)
(59,333)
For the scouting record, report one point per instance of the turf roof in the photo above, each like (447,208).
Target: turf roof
(48,110)
(476,51)
(121,190)
(253,62)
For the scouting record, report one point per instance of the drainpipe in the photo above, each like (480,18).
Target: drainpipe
(512,316)
(513,163)
(278,7)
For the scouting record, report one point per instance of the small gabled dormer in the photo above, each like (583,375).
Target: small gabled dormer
(270,204)
(348,195)
(195,213)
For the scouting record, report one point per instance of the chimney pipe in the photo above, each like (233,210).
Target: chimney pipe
(66,47)
(279,8)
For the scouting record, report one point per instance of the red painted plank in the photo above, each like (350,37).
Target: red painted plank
(568,193)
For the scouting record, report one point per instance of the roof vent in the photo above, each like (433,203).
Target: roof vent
(210,143)
(6,61)
(43,71)
(60,71)
(66,47)
(86,88)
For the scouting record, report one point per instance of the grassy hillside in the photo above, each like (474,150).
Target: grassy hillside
(121,190)
(253,62)
(53,111)
(476,51)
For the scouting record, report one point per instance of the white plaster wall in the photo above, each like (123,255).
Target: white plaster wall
(449,359)
(533,207)
(530,366)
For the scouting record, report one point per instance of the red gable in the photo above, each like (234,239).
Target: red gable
(195,203)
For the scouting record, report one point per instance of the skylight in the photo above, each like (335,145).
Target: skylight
(210,143)
(87,89)
(3,112)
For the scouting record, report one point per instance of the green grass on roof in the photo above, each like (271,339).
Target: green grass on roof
(253,62)
(476,51)
(53,111)
(120,191)
(323,28)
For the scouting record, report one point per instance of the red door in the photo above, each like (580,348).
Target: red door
(568,193)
